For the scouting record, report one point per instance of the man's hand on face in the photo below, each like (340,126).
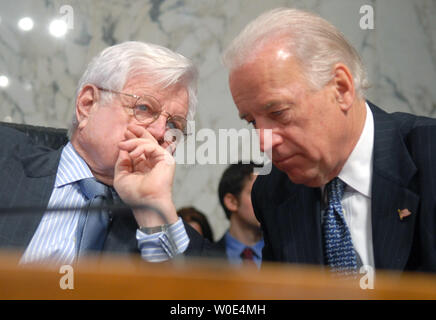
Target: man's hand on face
(144,175)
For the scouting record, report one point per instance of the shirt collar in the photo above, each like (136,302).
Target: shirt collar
(357,171)
(236,246)
(71,167)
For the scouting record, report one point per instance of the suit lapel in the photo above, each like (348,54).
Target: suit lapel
(393,171)
(298,220)
(35,173)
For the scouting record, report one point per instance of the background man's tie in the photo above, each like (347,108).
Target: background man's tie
(93,223)
(338,246)
(247,256)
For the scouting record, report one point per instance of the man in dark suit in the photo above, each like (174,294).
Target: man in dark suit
(128,98)
(351,184)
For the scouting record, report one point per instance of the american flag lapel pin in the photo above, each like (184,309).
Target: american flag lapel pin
(404,213)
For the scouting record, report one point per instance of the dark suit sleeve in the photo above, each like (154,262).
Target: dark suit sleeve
(201,247)
(422,142)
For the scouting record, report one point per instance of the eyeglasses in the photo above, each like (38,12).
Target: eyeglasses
(147,110)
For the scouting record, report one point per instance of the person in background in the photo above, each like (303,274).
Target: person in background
(197,220)
(243,240)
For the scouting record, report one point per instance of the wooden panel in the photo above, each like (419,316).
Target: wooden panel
(130,278)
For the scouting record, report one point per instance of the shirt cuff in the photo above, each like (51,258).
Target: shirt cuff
(162,246)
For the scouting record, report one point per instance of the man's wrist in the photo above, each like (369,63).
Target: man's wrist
(164,213)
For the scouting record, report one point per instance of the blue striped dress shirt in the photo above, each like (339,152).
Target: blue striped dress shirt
(55,237)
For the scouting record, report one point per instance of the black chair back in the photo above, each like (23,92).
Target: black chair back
(50,137)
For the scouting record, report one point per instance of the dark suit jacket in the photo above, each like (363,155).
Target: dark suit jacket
(221,243)
(404,176)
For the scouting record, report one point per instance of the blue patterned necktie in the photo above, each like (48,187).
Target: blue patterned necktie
(93,222)
(338,246)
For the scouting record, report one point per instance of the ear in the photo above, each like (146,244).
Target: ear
(231,202)
(344,86)
(86,99)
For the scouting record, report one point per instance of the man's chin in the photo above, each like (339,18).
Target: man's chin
(308,180)
(308,176)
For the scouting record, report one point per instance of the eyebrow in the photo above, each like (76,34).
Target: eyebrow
(264,108)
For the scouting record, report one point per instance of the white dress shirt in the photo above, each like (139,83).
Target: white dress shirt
(356,201)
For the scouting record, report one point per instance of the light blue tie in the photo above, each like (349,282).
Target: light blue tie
(338,246)
(93,222)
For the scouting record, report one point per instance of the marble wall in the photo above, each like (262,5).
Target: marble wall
(400,54)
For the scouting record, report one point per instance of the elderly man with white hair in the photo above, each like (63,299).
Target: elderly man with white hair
(129,97)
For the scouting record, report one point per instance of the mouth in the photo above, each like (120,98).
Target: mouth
(282,160)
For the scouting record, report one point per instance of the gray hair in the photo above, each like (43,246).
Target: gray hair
(315,43)
(116,64)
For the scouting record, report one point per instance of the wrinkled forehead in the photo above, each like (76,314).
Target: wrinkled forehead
(273,67)
(151,85)
(273,42)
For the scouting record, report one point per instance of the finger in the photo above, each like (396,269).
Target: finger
(140,164)
(129,135)
(139,159)
(141,132)
(138,131)
(124,163)
(149,151)
(131,144)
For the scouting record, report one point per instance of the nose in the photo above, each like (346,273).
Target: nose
(158,128)
(269,139)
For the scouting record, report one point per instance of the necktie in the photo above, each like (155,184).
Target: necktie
(338,246)
(247,256)
(93,222)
